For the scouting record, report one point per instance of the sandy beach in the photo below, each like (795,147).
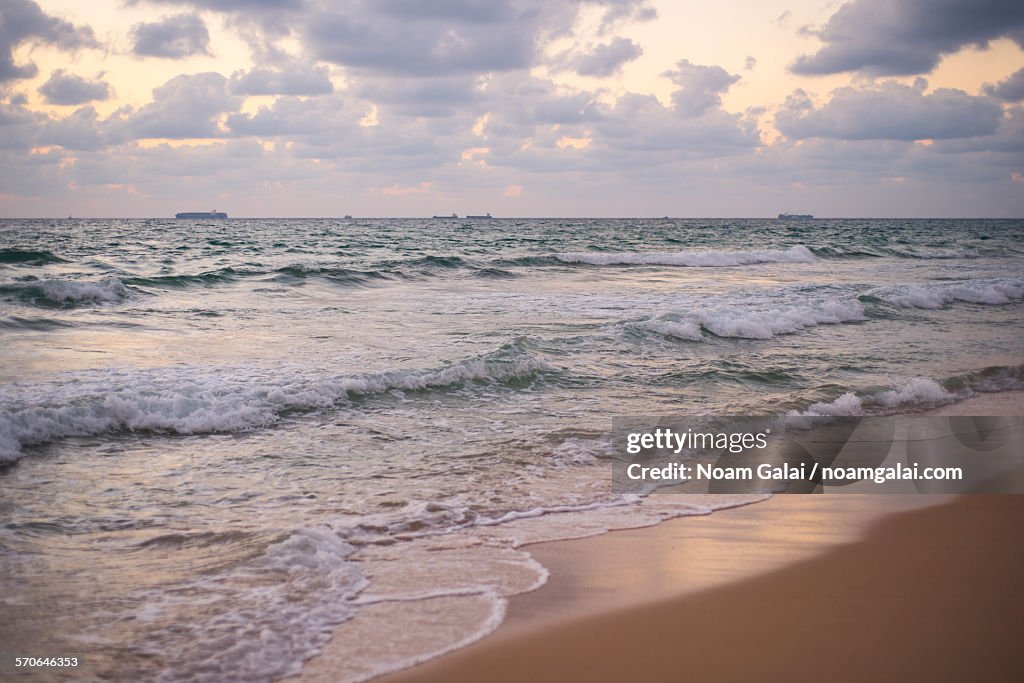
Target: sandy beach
(931,594)
(847,587)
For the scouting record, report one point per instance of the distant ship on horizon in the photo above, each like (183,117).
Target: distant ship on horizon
(795,216)
(454,215)
(201,214)
(486,215)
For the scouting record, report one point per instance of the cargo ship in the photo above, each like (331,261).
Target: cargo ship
(201,214)
(795,216)
(487,215)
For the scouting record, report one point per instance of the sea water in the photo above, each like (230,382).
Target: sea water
(222,442)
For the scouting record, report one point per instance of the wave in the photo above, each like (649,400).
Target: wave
(992,292)
(729,322)
(933,253)
(337,275)
(677,329)
(182,281)
(65,293)
(36,324)
(922,392)
(347,275)
(865,251)
(188,401)
(763,324)
(28,257)
(261,619)
(710,259)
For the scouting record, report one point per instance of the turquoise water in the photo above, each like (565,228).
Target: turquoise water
(224,439)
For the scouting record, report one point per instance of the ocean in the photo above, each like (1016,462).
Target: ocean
(223,441)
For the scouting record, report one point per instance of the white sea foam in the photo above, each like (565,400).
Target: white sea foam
(914,391)
(191,401)
(259,620)
(61,291)
(756,324)
(679,329)
(918,391)
(847,404)
(710,258)
(765,324)
(68,292)
(933,295)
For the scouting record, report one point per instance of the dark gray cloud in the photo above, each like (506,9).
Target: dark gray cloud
(462,11)
(292,79)
(1010,90)
(187,106)
(411,38)
(18,125)
(172,37)
(442,96)
(700,87)
(601,60)
(1007,140)
(431,42)
(64,88)
(641,123)
(889,111)
(520,102)
(82,130)
(903,37)
(228,5)
(24,21)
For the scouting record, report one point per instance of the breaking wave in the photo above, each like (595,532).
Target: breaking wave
(764,324)
(65,293)
(992,292)
(193,401)
(921,393)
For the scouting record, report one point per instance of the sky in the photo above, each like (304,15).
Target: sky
(138,108)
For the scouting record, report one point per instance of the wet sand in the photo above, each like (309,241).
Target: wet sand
(932,594)
(838,587)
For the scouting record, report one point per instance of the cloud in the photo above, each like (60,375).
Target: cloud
(905,37)
(18,124)
(438,38)
(889,111)
(296,117)
(700,87)
(187,106)
(229,5)
(182,35)
(1008,139)
(442,96)
(601,60)
(1010,89)
(23,21)
(68,89)
(81,130)
(294,79)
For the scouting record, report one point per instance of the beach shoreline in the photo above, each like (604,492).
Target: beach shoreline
(610,586)
(928,594)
